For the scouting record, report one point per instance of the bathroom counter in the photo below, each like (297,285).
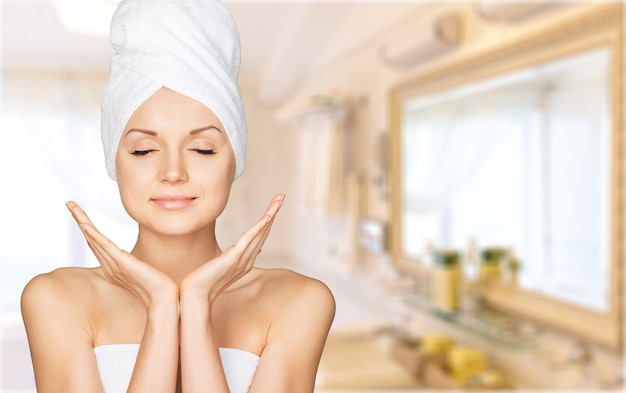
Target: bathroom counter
(360,361)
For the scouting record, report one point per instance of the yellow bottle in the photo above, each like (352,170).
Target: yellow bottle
(445,280)
(435,344)
(490,265)
(466,363)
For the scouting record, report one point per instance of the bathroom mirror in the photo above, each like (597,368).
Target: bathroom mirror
(522,147)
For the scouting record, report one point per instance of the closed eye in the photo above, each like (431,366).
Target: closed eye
(204,151)
(141,152)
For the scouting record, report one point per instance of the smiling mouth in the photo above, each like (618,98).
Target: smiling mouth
(173,202)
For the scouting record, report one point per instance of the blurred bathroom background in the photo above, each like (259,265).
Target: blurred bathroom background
(453,172)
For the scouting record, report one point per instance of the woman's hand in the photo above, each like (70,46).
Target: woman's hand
(209,280)
(122,268)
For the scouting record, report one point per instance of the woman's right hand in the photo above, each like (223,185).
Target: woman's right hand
(209,280)
(122,268)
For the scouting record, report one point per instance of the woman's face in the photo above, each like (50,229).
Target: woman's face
(175,165)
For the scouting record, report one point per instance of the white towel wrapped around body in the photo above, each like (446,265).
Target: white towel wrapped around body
(189,46)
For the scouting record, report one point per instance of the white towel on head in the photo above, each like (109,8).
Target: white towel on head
(189,46)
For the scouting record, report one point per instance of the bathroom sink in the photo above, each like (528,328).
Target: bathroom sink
(360,360)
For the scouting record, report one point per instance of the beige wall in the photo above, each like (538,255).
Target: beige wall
(365,82)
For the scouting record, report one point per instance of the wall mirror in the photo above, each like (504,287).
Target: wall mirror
(522,147)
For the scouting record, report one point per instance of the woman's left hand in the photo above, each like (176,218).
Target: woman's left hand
(213,277)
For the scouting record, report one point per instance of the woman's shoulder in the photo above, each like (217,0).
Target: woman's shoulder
(73,284)
(301,310)
(60,304)
(63,276)
(286,287)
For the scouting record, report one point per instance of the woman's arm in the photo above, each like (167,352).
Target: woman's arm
(55,308)
(201,366)
(296,337)
(156,368)
(59,336)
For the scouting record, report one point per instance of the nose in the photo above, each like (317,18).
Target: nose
(173,168)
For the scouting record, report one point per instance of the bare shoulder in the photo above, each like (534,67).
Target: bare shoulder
(72,285)
(301,310)
(286,289)
(62,281)
(57,311)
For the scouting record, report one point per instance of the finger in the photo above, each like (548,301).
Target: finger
(103,243)
(264,234)
(90,240)
(254,248)
(277,197)
(111,256)
(275,205)
(257,249)
(104,257)
(250,251)
(249,235)
(253,232)
(275,210)
(81,218)
(78,213)
(92,235)
(271,212)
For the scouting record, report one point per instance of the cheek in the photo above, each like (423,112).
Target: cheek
(223,173)
(129,183)
(126,191)
(218,181)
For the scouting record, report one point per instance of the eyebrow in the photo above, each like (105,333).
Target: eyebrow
(192,132)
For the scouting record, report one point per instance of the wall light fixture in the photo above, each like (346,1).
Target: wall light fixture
(445,35)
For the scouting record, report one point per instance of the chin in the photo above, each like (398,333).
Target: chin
(179,225)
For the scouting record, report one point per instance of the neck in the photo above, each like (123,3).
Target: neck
(176,256)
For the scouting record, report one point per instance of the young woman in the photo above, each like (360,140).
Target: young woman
(176,313)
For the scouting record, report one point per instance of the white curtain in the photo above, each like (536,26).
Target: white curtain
(322,154)
(51,154)
(447,141)
(59,114)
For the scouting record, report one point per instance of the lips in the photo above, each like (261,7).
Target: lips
(173,202)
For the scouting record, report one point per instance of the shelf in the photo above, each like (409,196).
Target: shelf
(498,328)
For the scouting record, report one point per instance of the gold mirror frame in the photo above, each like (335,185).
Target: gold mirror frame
(599,26)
